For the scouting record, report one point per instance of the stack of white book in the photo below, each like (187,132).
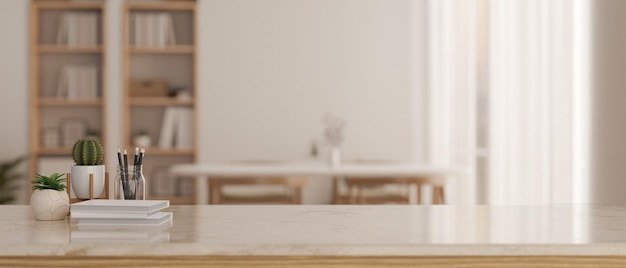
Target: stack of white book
(177,128)
(152,29)
(104,212)
(78,29)
(78,82)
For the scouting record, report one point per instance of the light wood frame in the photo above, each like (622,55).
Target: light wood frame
(37,103)
(129,102)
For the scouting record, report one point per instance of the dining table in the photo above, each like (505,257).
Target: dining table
(203,172)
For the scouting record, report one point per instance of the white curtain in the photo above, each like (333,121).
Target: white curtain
(525,57)
(452,92)
(533,109)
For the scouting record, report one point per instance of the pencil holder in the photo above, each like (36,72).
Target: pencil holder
(129,184)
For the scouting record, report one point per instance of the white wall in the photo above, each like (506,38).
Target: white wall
(14,112)
(270,70)
(608,167)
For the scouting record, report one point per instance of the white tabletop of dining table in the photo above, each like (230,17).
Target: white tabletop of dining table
(203,172)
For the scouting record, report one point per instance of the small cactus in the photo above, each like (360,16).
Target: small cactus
(88,153)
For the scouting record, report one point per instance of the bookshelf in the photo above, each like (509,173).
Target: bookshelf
(150,54)
(52,106)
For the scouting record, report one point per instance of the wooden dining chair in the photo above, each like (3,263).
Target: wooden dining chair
(256,189)
(288,190)
(379,190)
(358,190)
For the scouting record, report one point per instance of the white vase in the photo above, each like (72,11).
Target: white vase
(335,156)
(80,180)
(142,141)
(49,205)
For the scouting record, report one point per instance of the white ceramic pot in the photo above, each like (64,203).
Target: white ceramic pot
(142,141)
(335,156)
(49,205)
(80,180)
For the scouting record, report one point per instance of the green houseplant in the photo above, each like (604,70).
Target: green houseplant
(88,155)
(49,200)
(7,179)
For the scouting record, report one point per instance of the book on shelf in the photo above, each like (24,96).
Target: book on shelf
(152,29)
(184,130)
(78,29)
(78,82)
(156,219)
(177,128)
(106,205)
(168,128)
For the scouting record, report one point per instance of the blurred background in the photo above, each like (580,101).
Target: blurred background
(524,95)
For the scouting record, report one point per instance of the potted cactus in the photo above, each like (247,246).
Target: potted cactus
(88,155)
(49,200)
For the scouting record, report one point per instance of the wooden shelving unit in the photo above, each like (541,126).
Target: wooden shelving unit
(160,63)
(46,60)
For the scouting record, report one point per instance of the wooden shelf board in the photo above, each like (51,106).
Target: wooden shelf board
(177,49)
(69,102)
(66,151)
(61,49)
(69,5)
(158,101)
(165,152)
(173,6)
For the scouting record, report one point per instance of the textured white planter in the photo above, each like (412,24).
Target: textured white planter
(80,180)
(49,205)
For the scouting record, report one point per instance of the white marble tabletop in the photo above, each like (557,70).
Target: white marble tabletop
(364,169)
(325,230)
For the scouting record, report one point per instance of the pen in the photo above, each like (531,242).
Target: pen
(127,191)
(141,155)
(121,171)
(136,156)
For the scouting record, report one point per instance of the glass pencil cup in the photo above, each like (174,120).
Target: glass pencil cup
(129,184)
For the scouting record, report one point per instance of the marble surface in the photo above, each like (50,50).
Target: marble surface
(333,231)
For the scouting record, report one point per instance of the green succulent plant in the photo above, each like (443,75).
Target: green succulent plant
(52,182)
(88,152)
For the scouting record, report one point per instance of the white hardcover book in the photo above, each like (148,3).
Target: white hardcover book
(112,215)
(71,29)
(80,28)
(155,219)
(94,77)
(162,29)
(94,29)
(72,82)
(131,30)
(171,37)
(107,205)
(148,29)
(184,130)
(62,85)
(152,29)
(62,31)
(92,83)
(142,31)
(137,31)
(168,128)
